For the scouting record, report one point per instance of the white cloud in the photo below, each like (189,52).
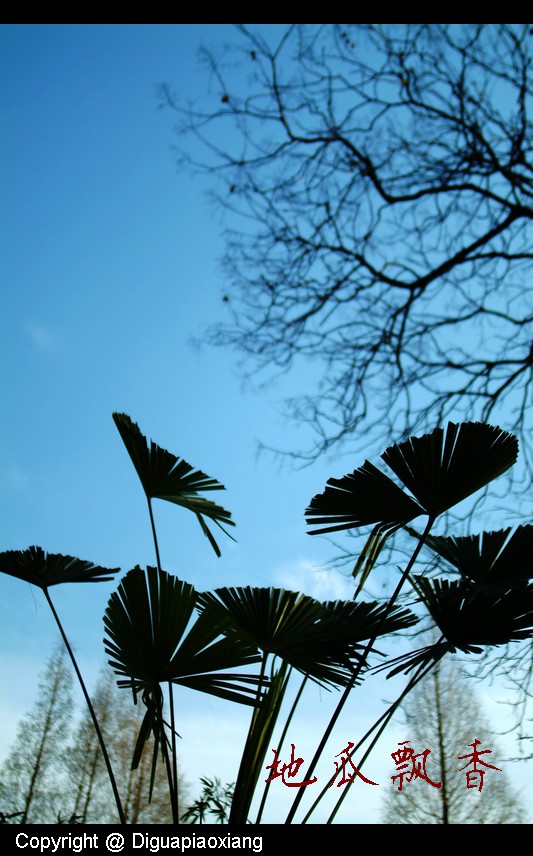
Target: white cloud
(315,580)
(42,336)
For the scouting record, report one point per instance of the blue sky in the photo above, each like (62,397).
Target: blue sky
(109,266)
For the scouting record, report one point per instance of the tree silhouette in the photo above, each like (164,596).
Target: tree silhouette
(120,720)
(32,776)
(443,714)
(378,181)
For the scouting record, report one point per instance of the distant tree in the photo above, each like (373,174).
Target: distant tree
(443,715)
(120,721)
(32,778)
(379,182)
(86,772)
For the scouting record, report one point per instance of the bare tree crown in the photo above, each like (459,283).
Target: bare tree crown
(379,184)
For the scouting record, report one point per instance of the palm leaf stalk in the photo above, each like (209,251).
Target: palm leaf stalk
(320,640)
(381,724)
(439,469)
(342,701)
(154,534)
(155,636)
(280,745)
(44,570)
(92,713)
(175,795)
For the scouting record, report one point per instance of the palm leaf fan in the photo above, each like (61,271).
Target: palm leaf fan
(155,636)
(319,640)
(43,569)
(444,467)
(165,476)
(490,559)
(469,618)
(366,496)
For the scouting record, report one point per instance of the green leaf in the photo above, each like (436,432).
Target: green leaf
(444,467)
(152,638)
(490,559)
(469,618)
(165,476)
(49,569)
(319,640)
(363,497)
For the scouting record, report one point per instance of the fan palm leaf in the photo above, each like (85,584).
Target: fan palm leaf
(290,625)
(48,569)
(151,640)
(165,476)
(43,569)
(469,618)
(439,470)
(369,620)
(490,559)
(365,496)
(444,467)
(319,640)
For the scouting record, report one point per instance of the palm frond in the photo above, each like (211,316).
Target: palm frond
(43,569)
(152,639)
(319,640)
(405,663)
(444,467)
(369,620)
(490,559)
(165,476)
(469,618)
(363,497)
(439,469)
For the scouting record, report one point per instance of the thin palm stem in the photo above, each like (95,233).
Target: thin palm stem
(421,673)
(154,533)
(281,739)
(91,709)
(362,661)
(175,809)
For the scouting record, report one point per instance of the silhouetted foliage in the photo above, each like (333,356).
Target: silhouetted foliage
(163,636)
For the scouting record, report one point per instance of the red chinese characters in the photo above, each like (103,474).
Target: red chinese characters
(474,777)
(411,766)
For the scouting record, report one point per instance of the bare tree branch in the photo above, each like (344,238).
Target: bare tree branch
(378,184)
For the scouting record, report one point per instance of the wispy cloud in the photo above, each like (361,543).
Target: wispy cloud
(42,336)
(17,479)
(315,580)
